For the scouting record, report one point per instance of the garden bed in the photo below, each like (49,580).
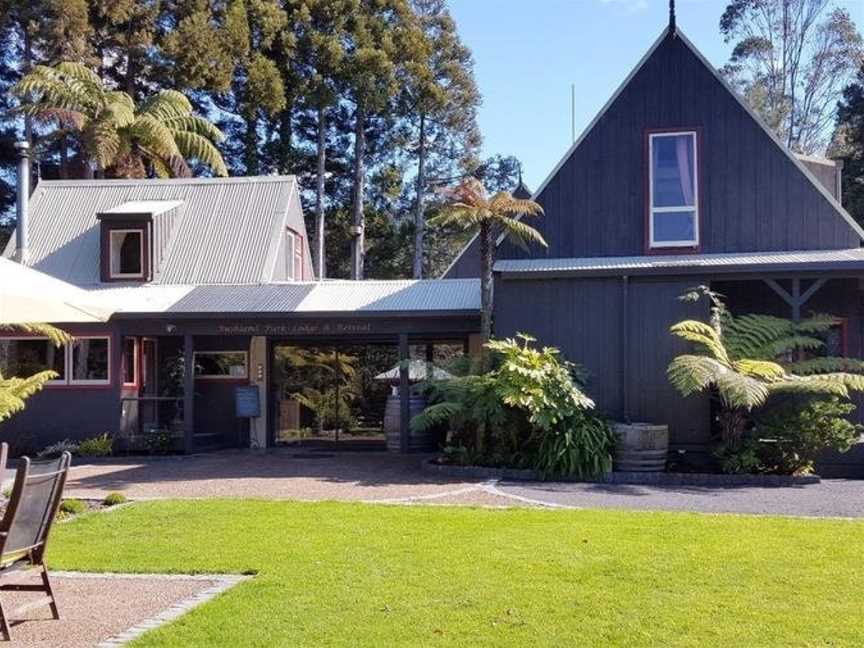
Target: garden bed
(623,477)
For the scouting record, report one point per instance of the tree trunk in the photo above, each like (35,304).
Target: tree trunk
(250,145)
(357,253)
(286,136)
(64,158)
(419,220)
(486,258)
(320,256)
(733,423)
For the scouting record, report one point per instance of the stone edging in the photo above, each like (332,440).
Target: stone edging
(221,583)
(635,478)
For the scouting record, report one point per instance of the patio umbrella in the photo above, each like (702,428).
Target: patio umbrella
(28,296)
(416,372)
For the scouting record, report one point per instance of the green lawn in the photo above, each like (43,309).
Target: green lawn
(333,574)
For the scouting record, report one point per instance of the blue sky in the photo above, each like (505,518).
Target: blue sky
(527,53)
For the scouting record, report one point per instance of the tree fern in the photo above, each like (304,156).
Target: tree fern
(744,359)
(118,137)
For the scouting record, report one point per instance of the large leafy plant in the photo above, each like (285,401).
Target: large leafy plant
(528,410)
(745,360)
(790,433)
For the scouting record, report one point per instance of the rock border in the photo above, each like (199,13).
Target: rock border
(625,477)
(222,583)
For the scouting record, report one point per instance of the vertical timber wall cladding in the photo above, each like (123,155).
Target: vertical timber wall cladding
(752,196)
(585,319)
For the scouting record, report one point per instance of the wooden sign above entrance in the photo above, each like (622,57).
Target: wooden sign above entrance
(297,328)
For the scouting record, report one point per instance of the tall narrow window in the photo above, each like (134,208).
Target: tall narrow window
(673,190)
(130,362)
(127,254)
(293,256)
(298,257)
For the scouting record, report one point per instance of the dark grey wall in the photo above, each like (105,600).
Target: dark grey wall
(61,412)
(753,197)
(585,318)
(467,265)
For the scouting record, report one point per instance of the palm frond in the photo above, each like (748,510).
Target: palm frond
(14,391)
(704,335)
(519,232)
(57,336)
(193,145)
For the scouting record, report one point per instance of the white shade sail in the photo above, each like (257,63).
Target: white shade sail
(416,372)
(29,296)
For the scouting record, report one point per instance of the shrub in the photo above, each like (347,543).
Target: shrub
(159,441)
(72,506)
(113,499)
(100,446)
(582,446)
(528,410)
(56,449)
(787,437)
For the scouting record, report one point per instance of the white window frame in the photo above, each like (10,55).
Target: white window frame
(69,356)
(667,210)
(62,380)
(125,275)
(198,376)
(289,254)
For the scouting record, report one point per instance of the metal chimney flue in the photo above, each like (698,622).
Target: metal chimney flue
(22,205)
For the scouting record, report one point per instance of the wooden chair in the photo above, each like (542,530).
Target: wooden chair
(4,457)
(24,531)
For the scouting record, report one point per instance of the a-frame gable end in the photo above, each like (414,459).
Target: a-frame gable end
(754,194)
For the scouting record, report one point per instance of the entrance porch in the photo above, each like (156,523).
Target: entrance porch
(191,374)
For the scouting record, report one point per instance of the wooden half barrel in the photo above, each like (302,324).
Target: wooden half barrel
(417,441)
(641,447)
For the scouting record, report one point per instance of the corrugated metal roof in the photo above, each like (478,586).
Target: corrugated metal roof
(851,259)
(229,229)
(363,297)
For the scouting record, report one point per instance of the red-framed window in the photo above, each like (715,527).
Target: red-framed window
(672,191)
(130,367)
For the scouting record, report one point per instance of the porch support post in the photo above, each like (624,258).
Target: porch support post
(625,349)
(188,392)
(812,290)
(404,393)
(777,288)
(796,300)
(430,360)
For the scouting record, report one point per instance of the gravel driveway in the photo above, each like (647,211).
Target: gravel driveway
(831,497)
(382,477)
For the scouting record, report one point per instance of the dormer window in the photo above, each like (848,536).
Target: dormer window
(673,190)
(126,249)
(133,235)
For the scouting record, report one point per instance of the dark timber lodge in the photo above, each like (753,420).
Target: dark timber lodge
(675,183)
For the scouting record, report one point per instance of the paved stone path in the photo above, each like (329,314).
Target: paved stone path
(384,478)
(109,610)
